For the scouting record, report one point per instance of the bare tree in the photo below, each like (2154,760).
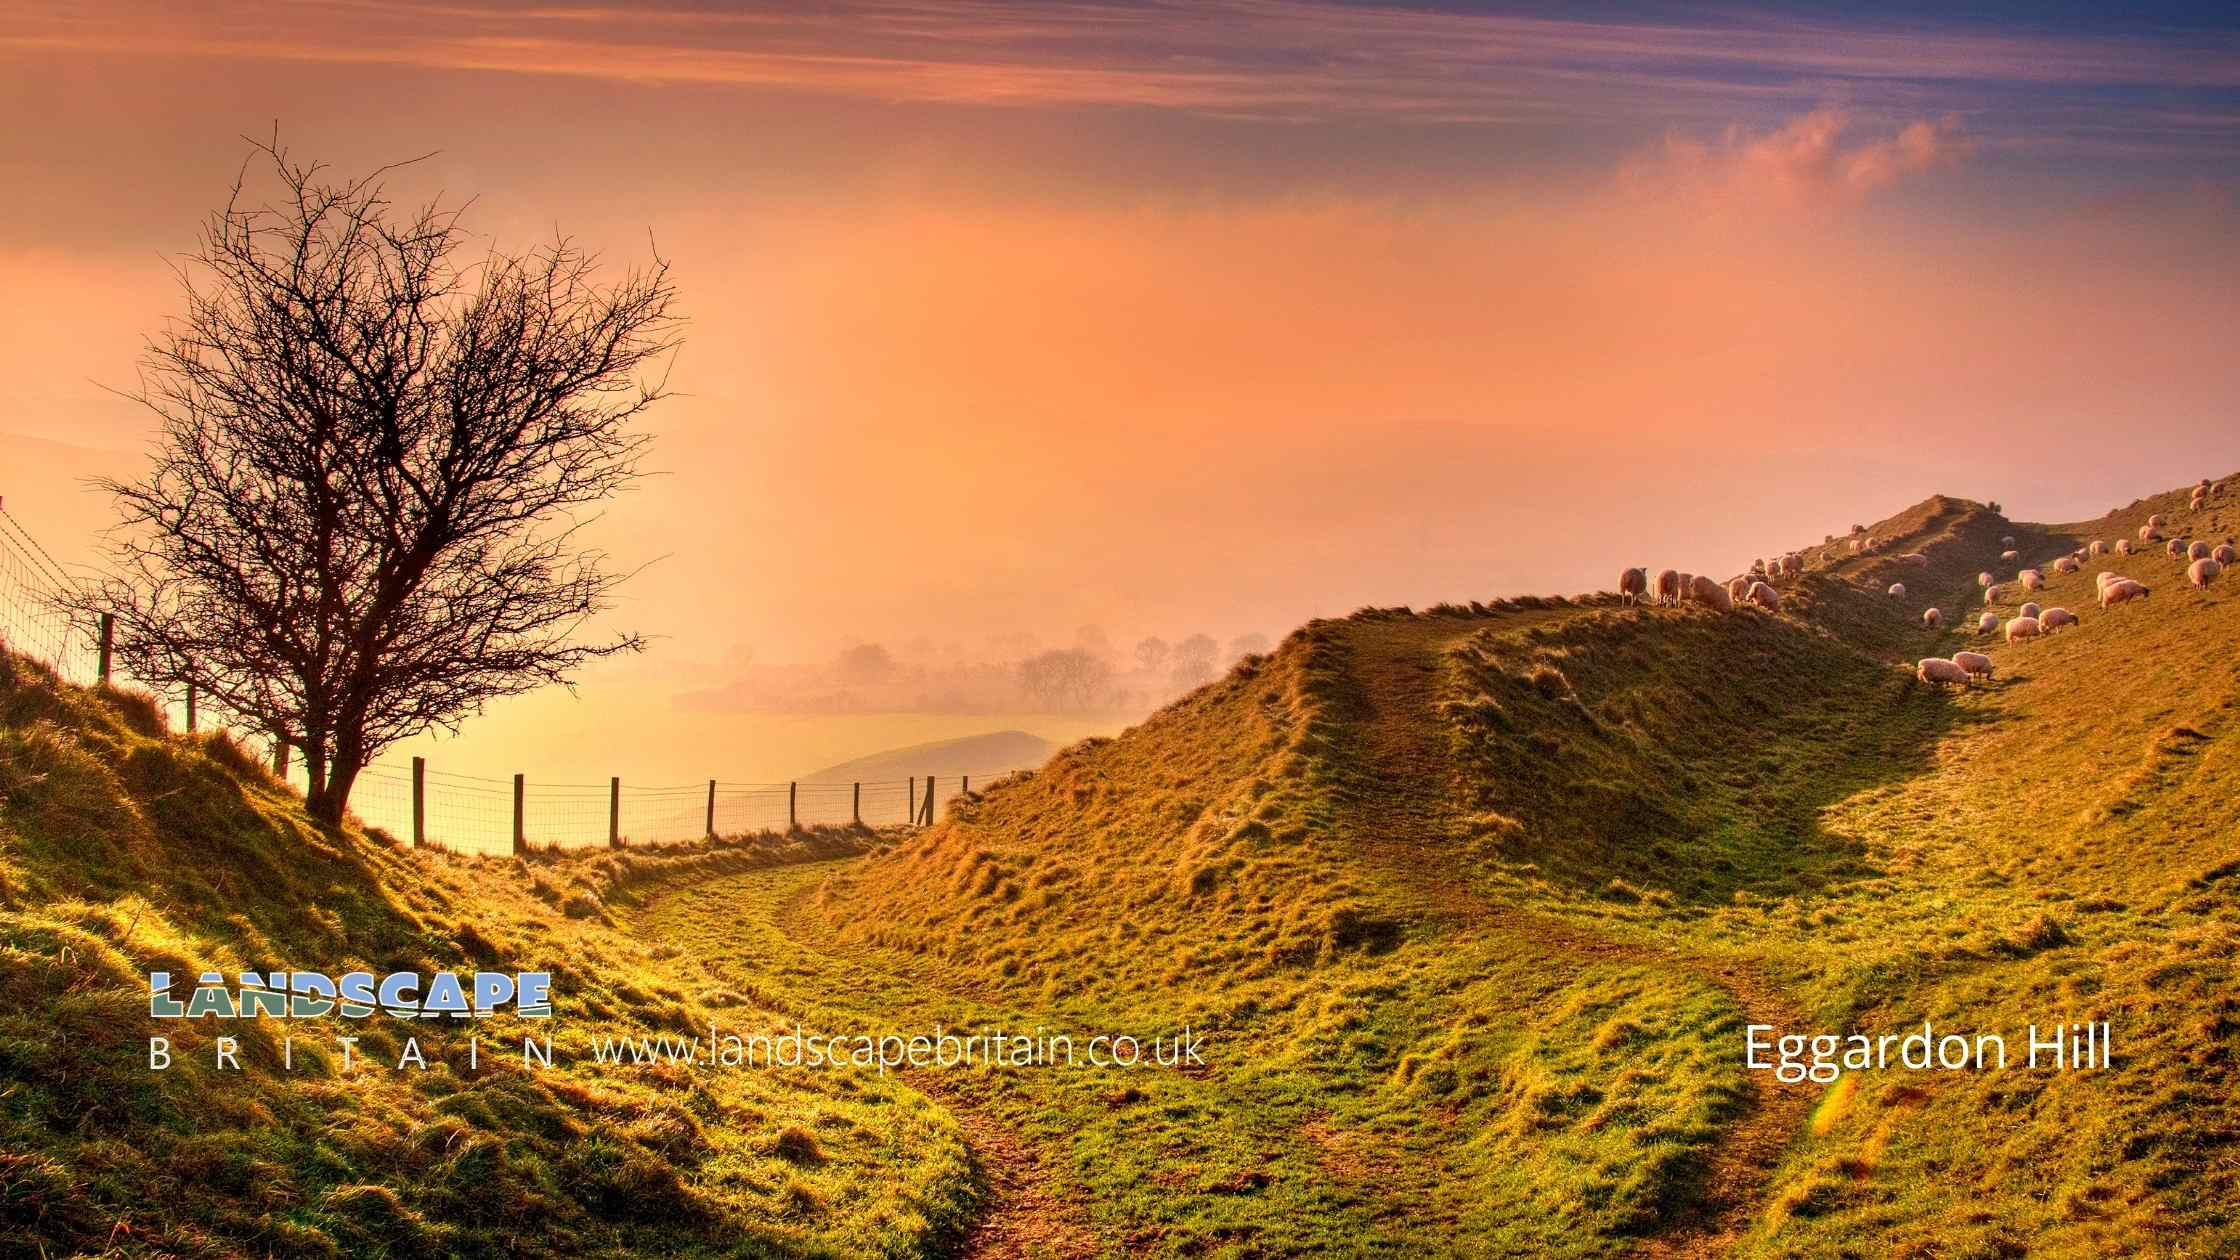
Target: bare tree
(379,448)
(1066,678)
(1193,660)
(1151,654)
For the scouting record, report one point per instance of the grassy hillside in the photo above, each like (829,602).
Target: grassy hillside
(125,848)
(1490,888)
(1470,904)
(981,756)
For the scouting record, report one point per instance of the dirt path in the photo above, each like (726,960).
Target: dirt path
(1022,1216)
(1397,668)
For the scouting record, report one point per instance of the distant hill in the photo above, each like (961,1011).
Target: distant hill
(981,756)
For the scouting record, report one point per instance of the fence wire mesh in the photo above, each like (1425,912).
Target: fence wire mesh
(469,813)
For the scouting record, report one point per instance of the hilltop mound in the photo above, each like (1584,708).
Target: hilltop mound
(126,848)
(1762,816)
(981,756)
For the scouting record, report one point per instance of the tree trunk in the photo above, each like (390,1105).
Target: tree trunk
(342,776)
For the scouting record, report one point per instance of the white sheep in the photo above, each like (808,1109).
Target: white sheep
(2031,579)
(2198,551)
(1937,671)
(1932,617)
(1976,663)
(1668,586)
(1898,590)
(2123,546)
(2022,628)
(2224,554)
(2066,564)
(2202,572)
(2150,533)
(2009,554)
(2176,549)
(2027,610)
(1765,597)
(2155,521)
(1987,623)
(2122,590)
(1985,578)
(2099,547)
(1991,593)
(2054,618)
(1633,584)
(1711,594)
(1917,559)
(1738,587)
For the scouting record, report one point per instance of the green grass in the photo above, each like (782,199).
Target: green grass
(125,849)
(1471,905)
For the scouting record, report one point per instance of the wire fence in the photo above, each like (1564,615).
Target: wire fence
(470,813)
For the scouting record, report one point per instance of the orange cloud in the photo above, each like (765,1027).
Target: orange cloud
(1804,162)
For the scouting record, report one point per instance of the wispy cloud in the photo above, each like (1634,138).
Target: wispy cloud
(1815,159)
(1261,58)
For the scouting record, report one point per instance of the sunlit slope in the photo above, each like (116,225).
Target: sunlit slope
(1769,802)
(125,848)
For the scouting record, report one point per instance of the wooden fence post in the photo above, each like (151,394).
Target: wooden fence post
(190,708)
(614,812)
(711,809)
(965,788)
(108,641)
(928,816)
(910,803)
(793,811)
(520,833)
(419,802)
(859,803)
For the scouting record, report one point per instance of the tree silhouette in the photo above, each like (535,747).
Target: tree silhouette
(378,451)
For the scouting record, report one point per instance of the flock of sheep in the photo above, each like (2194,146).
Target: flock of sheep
(2204,562)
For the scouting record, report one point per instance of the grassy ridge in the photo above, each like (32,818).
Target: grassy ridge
(1337,852)
(125,848)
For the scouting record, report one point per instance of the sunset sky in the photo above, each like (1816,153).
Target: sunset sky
(1011,318)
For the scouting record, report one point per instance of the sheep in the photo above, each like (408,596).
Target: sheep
(1932,618)
(1668,586)
(1937,671)
(1898,590)
(1765,597)
(2027,610)
(2149,533)
(1738,587)
(2202,572)
(1914,558)
(2006,540)
(2122,590)
(1985,578)
(2022,628)
(2066,564)
(1987,623)
(2123,546)
(1633,584)
(1687,587)
(2031,579)
(2224,554)
(2009,554)
(1712,595)
(2156,522)
(2176,549)
(1976,663)
(2099,547)
(2054,618)
(1991,593)
(2198,551)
